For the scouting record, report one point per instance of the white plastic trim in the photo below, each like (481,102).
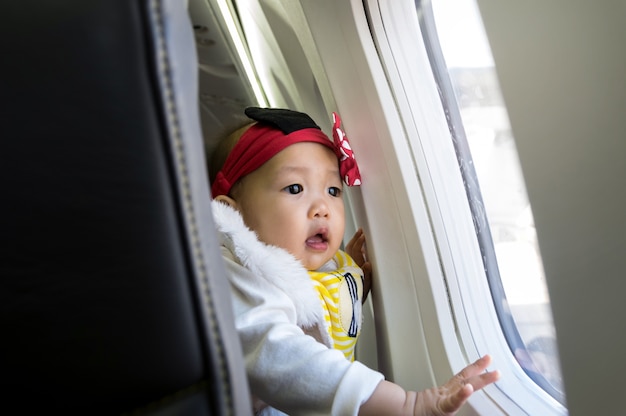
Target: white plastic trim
(402,50)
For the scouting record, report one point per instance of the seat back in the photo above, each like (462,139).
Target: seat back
(113,298)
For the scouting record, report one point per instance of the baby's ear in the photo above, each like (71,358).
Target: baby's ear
(225,199)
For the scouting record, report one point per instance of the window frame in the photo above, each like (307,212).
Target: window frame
(401,47)
(473,188)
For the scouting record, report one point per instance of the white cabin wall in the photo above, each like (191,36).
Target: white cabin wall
(409,306)
(359,87)
(562,69)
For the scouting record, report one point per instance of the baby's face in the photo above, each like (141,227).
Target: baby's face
(294,201)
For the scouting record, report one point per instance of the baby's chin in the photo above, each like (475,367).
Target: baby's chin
(312,264)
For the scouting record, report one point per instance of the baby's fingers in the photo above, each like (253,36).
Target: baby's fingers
(452,401)
(355,239)
(476,367)
(460,387)
(484,379)
(355,247)
(475,375)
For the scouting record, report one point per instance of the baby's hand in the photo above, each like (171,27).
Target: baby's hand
(447,399)
(391,399)
(357,250)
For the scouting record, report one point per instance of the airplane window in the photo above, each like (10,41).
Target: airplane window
(486,153)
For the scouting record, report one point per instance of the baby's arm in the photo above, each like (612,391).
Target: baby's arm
(287,369)
(391,399)
(357,250)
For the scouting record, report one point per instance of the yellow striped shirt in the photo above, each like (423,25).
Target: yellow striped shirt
(341,293)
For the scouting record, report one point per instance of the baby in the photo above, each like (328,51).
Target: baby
(297,297)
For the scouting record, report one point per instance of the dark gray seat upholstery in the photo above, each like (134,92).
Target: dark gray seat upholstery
(112,293)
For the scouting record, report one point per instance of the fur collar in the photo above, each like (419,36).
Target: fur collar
(271,263)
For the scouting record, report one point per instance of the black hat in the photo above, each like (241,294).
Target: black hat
(284,120)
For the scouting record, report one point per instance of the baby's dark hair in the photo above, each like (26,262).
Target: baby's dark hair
(223,149)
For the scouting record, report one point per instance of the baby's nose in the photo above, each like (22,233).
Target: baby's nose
(319,209)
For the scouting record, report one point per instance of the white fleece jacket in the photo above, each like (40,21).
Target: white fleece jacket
(280,323)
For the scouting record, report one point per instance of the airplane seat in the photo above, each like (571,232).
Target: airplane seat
(113,298)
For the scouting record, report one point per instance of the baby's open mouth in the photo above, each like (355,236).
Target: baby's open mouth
(318,241)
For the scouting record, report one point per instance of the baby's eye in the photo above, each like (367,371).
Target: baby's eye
(334,191)
(294,189)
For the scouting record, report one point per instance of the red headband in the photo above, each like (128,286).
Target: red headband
(261,142)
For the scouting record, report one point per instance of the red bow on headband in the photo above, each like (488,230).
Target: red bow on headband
(348,167)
